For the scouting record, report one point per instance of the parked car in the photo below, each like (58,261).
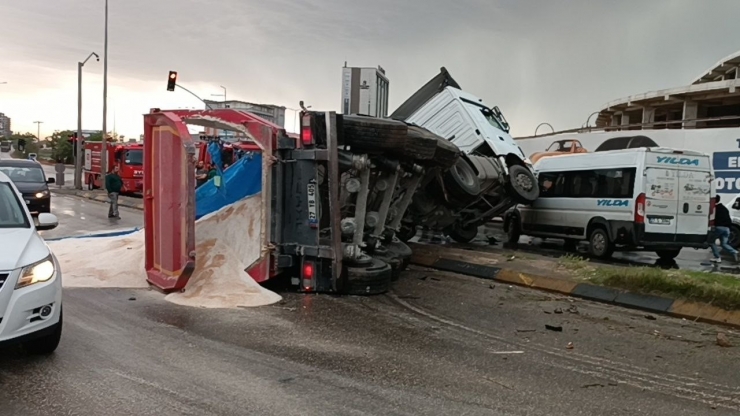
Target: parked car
(637,199)
(30,278)
(558,148)
(626,142)
(29,178)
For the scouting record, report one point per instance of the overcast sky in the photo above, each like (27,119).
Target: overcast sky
(550,61)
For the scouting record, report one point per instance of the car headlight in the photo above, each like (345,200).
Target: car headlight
(42,194)
(38,272)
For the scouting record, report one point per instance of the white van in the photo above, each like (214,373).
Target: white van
(655,199)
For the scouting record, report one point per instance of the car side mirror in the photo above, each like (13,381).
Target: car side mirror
(50,180)
(46,221)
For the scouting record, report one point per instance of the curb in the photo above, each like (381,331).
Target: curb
(100,197)
(679,308)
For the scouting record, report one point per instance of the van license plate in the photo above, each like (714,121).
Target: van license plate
(313,218)
(659,221)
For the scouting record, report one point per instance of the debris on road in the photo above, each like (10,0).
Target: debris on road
(573,309)
(558,311)
(723,341)
(556,328)
(525,330)
(569,346)
(650,317)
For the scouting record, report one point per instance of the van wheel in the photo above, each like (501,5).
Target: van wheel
(48,343)
(514,231)
(523,185)
(463,234)
(734,239)
(461,183)
(669,254)
(599,244)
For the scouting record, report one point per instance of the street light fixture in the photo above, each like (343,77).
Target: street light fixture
(104,147)
(78,148)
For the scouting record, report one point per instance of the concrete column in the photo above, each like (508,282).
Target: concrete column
(648,116)
(615,119)
(690,112)
(625,119)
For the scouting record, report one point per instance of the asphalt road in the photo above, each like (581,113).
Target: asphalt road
(439,344)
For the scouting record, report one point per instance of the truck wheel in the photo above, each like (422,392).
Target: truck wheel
(406,233)
(523,184)
(461,183)
(462,234)
(421,144)
(374,278)
(514,231)
(668,254)
(599,244)
(48,343)
(374,135)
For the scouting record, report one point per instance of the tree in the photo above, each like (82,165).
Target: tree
(62,151)
(24,144)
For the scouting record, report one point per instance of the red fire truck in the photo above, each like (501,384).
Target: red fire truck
(128,157)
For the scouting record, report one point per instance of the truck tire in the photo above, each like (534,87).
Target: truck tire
(513,230)
(373,278)
(374,135)
(461,183)
(462,234)
(523,185)
(421,144)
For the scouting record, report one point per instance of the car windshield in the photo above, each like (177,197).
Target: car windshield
(134,157)
(25,174)
(12,214)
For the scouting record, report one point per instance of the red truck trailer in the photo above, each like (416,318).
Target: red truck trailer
(128,157)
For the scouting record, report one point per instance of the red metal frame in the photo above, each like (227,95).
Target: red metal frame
(169,190)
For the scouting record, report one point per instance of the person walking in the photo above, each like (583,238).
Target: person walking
(721,231)
(113,185)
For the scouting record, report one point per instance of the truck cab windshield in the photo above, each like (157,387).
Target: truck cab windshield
(134,157)
(486,112)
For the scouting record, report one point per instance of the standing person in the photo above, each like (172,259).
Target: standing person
(201,174)
(722,224)
(113,185)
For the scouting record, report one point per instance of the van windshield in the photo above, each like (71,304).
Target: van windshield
(486,112)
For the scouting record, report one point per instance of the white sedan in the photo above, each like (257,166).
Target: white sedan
(30,278)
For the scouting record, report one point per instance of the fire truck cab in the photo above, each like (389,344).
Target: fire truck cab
(128,157)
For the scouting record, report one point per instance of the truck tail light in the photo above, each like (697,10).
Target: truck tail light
(640,209)
(712,207)
(306,131)
(308,272)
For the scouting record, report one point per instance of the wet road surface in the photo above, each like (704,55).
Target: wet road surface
(440,344)
(78,216)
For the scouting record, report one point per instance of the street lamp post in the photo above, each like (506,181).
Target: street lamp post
(104,147)
(78,141)
(222,95)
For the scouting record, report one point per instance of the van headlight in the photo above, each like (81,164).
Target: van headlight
(42,194)
(38,272)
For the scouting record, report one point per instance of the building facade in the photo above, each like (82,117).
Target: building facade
(365,91)
(5,127)
(272,113)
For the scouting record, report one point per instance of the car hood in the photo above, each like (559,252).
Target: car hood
(30,187)
(20,247)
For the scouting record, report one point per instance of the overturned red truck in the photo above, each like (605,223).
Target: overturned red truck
(339,202)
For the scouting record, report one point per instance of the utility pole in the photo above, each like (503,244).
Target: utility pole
(104,147)
(38,129)
(78,140)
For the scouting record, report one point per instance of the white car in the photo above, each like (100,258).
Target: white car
(30,278)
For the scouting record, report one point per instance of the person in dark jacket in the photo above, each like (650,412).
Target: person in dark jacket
(113,184)
(721,231)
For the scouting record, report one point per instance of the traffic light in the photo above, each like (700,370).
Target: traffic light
(171,81)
